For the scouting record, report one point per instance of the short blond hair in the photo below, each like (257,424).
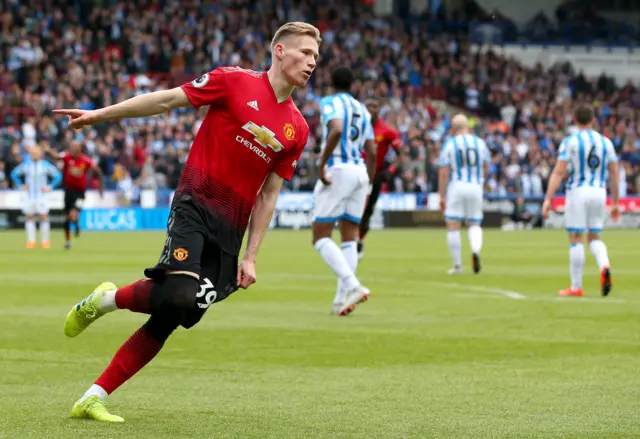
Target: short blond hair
(295,28)
(459,122)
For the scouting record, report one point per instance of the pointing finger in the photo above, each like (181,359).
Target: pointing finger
(72,113)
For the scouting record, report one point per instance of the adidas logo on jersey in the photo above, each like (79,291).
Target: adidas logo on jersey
(253,104)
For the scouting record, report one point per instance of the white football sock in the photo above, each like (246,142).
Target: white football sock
(334,258)
(30,227)
(576,262)
(108,301)
(475,238)
(599,250)
(95,390)
(44,230)
(350,252)
(455,250)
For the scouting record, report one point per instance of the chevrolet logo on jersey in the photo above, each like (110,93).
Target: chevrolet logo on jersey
(264,136)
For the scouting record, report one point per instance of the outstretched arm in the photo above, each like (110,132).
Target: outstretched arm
(52,153)
(143,105)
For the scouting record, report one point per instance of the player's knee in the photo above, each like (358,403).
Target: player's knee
(320,231)
(593,237)
(161,325)
(177,291)
(174,299)
(453,225)
(349,230)
(576,238)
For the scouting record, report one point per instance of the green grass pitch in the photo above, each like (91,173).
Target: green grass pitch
(494,355)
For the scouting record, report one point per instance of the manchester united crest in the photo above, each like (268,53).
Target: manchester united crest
(180,254)
(289,131)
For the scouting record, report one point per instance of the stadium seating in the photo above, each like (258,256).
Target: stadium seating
(424,66)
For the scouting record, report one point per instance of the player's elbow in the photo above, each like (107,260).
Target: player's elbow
(172,99)
(269,192)
(271,187)
(178,98)
(559,171)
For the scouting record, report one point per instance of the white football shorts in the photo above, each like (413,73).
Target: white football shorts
(585,209)
(464,202)
(35,206)
(344,198)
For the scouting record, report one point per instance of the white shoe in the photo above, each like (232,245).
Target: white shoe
(455,270)
(354,296)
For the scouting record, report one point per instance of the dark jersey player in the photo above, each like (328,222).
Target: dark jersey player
(75,171)
(385,136)
(249,141)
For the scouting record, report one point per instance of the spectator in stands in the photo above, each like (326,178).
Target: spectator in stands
(4,183)
(12,159)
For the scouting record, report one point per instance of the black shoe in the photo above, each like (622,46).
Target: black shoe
(475,262)
(360,250)
(605,282)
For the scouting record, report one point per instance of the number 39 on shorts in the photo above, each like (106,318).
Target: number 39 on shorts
(207,292)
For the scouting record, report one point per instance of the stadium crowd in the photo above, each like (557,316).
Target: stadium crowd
(84,55)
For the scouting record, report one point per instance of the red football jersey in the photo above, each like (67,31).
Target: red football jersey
(385,136)
(74,173)
(245,135)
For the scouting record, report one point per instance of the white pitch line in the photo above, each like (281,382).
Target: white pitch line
(506,293)
(551,299)
(492,292)
(483,289)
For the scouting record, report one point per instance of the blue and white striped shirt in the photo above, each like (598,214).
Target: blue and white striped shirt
(465,155)
(587,153)
(36,177)
(356,131)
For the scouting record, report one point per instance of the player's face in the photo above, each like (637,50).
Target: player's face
(374,109)
(74,148)
(36,154)
(299,55)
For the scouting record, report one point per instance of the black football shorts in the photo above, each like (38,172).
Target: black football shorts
(188,247)
(73,199)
